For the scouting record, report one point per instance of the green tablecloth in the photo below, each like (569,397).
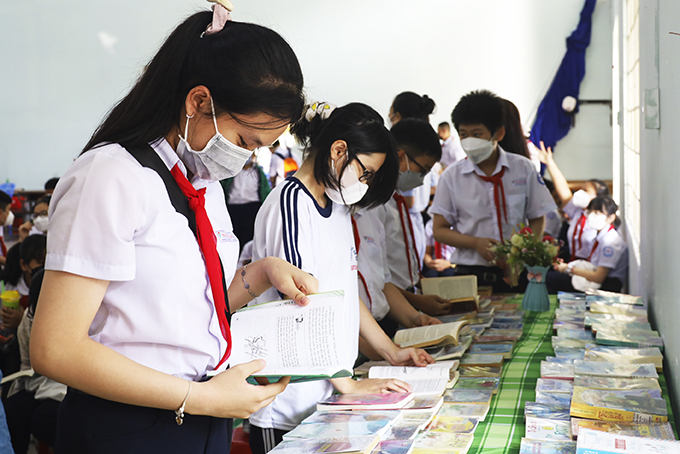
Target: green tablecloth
(503,428)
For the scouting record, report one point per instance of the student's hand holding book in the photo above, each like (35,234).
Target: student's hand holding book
(290,280)
(371,386)
(409,357)
(431,304)
(228,395)
(421,319)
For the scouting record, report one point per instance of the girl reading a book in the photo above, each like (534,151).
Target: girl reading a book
(134,302)
(350,162)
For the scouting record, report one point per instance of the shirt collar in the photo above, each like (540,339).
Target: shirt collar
(469,167)
(170,158)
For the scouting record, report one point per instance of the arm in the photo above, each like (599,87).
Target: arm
(443,233)
(561,184)
(430,304)
(262,274)
(599,275)
(402,311)
(68,304)
(537,225)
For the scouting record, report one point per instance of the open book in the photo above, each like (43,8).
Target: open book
(429,380)
(307,343)
(461,290)
(426,336)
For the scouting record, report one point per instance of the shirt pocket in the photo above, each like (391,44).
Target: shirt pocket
(516,205)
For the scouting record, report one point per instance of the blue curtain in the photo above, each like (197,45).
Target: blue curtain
(552,122)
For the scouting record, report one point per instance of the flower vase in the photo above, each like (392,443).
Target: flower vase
(536,295)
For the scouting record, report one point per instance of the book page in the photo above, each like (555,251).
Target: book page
(411,336)
(431,379)
(454,287)
(292,339)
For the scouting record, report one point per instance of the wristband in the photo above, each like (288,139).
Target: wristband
(245,284)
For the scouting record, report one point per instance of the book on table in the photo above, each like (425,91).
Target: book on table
(453,424)
(339,429)
(548,411)
(469,396)
(403,429)
(305,343)
(431,335)
(443,353)
(595,382)
(328,417)
(529,446)
(482,359)
(629,338)
(439,442)
(429,380)
(650,355)
(547,429)
(591,318)
(476,411)
(613,297)
(595,442)
(479,371)
(461,291)
(617,308)
(557,370)
(553,398)
(662,430)
(344,402)
(394,447)
(337,445)
(642,406)
(619,370)
(551,385)
(478,383)
(618,326)
(504,349)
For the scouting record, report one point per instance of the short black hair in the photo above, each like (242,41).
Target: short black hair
(412,105)
(34,247)
(51,183)
(479,107)
(444,125)
(364,131)
(46,199)
(5,200)
(417,138)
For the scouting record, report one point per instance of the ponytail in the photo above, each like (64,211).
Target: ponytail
(412,105)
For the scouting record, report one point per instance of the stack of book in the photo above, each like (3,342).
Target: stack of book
(602,380)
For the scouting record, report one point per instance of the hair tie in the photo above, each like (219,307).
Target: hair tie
(221,9)
(322,109)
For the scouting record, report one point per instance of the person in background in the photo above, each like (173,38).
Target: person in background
(606,266)
(437,262)
(244,194)
(514,140)
(50,185)
(452,152)
(39,220)
(553,220)
(283,164)
(6,219)
(482,199)
(410,105)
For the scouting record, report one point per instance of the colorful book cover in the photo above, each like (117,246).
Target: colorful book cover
(553,398)
(402,430)
(662,430)
(435,442)
(616,325)
(547,447)
(602,307)
(394,447)
(642,406)
(593,317)
(450,351)
(338,445)
(331,430)
(470,396)
(453,424)
(476,411)
(548,429)
(629,338)
(387,401)
(480,371)
(482,359)
(503,349)
(547,411)
(557,370)
(571,353)
(595,442)
(586,381)
(328,417)
(568,343)
(624,354)
(423,402)
(478,383)
(575,334)
(549,385)
(621,370)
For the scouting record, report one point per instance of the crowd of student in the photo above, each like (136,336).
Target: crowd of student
(146,227)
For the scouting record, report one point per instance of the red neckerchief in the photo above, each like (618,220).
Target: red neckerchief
(357,242)
(597,242)
(401,203)
(498,196)
(208,244)
(580,224)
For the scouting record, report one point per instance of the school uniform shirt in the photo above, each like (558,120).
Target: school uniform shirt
(467,202)
(579,235)
(293,226)
(611,252)
(403,260)
(246,187)
(445,250)
(452,151)
(112,219)
(372,259)
(553,223)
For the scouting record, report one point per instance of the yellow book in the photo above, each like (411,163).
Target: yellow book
(640,406)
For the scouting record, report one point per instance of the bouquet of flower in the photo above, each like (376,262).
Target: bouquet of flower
(523,248)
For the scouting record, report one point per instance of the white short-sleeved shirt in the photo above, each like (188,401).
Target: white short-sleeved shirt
(580,235)
(399,252)
(553,223)
(372,261)
(447,250)
(291,225)
(611,252)
(112,219)
(467,202)
(452,151)
(245,188)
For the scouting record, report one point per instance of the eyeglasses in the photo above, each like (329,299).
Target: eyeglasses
(423,170)
(367,175)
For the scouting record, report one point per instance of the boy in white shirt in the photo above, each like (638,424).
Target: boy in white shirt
(482,199)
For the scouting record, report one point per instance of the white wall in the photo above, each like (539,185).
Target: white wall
(68,62)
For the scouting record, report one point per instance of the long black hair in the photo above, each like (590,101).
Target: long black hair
(248,69)
(412,105)
(514,140)
(363,129)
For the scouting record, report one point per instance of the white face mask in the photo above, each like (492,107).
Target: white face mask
(597,221)
(40,223)
(351,189)
(477,150)
(219,159)
(581,199)
(9,220)
(409,179)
